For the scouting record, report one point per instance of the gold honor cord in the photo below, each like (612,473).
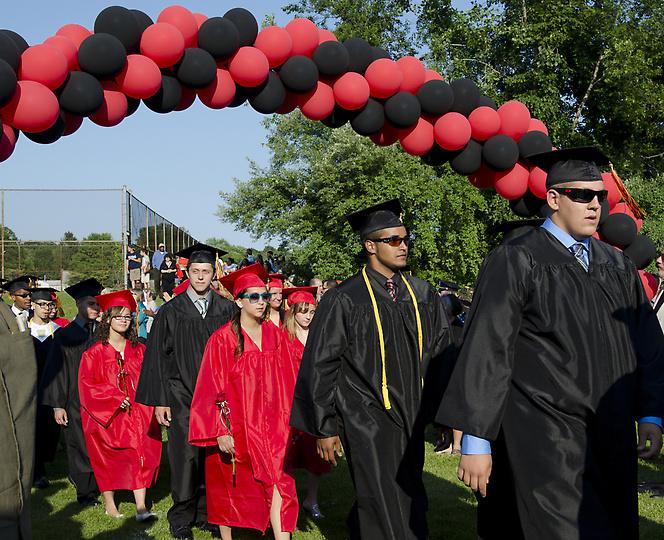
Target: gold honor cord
(381,338)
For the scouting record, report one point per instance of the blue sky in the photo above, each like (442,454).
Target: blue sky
(176,163)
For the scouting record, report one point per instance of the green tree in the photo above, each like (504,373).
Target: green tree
(235,251)
(99,257)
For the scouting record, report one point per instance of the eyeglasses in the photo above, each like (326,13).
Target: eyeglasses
(45,305)
(23,295)
(255,297)
(395,241)
(582,195)
(122,317)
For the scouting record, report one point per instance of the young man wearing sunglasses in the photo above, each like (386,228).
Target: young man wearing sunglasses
(19,292)
(365,380)
(562,355)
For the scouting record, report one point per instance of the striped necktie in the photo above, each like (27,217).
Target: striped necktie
(579,252)
(391,289)
(202,306)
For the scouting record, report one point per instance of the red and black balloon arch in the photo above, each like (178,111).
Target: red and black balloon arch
(47,90)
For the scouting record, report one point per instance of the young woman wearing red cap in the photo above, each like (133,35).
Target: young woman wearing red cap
(122,436)
(240,412)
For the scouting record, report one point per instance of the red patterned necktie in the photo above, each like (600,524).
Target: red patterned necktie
(392,289)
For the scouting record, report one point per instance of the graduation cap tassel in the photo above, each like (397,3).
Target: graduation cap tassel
(627,197)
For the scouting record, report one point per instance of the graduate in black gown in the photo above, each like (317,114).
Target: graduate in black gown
(172,360)
(562,355)
(59,385)
(370,348)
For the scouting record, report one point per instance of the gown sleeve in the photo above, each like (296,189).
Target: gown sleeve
(313,408)
(151,388)
(100,398)
(55,380)
(205,422)
(477,394)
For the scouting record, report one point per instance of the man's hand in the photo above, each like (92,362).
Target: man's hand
(61,417)
(653,433)
(328,447)
(226,444)
(474,471)
(163,415)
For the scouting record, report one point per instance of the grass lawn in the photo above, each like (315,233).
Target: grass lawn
(56,514)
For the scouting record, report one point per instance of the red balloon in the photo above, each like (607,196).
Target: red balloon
(413,74)
(320,103)
(200,19)
(163,43)
(75,32)
(304,34)
(418,140)
(7,142)
(67,47)
(512,184)
(325,35)
(514,119)
(649,283)
(484,123)
(432,75)
(384,77)
(276,44)
(537,182)
(351,91)
(140,78)
(249,67)
(184,21)
(452,131)
(537,125)
(187,99)
(114,109)
(614,195)
(485,178)
(32,109)
(44,64)
(220,93)
(387,136)
(72,123)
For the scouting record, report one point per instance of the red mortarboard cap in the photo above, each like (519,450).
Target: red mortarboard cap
(181,287)
(276,281)
(116,299)
(297,295)
(253,275)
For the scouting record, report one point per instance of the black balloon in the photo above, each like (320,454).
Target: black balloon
(299,74)
(219,37)
(167,98)
(436,97)
(619,230)
(331,58)
(370,119)
(242,94)
(7,82)
(468,160)
(120,22)
(269,96)
(403,109)
(132,106)
(102,55)
(50,135)
(360,54)
(338,118)
(246,25)
(606,211)
(82,94)
(436,156)
(534,142)
(466,96)
(18,40)
(143,19)
(9,52)
(642,251)
(196,69)
(526,206)
(378,53)
(500,152)
(486,101)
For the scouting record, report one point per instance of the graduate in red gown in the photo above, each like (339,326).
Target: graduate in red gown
(275,286)
(303,453)
(240,411)
(122,436)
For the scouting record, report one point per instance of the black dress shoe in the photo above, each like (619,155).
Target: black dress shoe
(183,532)
(209,527)
(41,483)
(90,500)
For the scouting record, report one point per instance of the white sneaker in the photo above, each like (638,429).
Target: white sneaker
(145,516)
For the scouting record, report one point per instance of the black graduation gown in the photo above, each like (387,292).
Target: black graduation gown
(338,391)
(556,366)
(173,356)
(59,388)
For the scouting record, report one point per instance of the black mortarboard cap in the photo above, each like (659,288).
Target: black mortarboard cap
(87,287)
(375,218)
(21,282)
(42,293)
(570,165)
(448,285)
(201,253)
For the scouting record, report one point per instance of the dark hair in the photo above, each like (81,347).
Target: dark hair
(330,283)
(237,330)
(104,327)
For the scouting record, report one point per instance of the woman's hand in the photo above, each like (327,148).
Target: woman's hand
(226,445)
(125,404)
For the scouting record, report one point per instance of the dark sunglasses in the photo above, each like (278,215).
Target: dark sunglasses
(395,241)
(582,195)
(255,297)
(24,295)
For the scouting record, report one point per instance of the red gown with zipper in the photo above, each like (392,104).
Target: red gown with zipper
(124,446)
(258,387)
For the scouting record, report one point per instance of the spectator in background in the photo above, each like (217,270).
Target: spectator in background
(229,266)
(133,267)
(272,265)
(151,307)
(145,269)
(248,259)
(316,282)
(57,314)
(168,272)
(157,258)
(327,285)
(261,261)
(142,317)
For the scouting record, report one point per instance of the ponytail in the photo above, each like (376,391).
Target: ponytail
(237,330)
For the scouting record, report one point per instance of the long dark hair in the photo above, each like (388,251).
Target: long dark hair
(104,327)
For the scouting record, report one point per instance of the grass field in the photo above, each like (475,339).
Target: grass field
(56,514)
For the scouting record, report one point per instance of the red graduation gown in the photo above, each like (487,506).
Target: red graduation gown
(303,453)
(258,387)
(124,447)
